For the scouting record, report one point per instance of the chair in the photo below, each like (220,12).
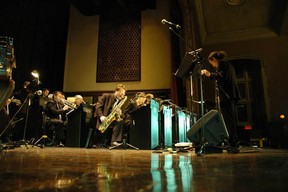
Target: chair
(47,124)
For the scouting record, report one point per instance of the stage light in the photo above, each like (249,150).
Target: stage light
(282,116)
(35,74)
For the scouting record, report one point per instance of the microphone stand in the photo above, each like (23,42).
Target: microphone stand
(186,43)
(12,122)
(199,63)
(201,152)
(28,104)
(190,75)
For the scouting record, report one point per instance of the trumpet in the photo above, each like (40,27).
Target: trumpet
(69,104)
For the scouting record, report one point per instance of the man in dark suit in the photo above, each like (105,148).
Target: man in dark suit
(56,111)
(104,107)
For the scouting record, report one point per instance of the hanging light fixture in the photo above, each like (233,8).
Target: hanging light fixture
(35,74)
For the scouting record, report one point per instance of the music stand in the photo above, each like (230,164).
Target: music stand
(188,67)
(191,64)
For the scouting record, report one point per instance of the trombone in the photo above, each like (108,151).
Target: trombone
(71,105)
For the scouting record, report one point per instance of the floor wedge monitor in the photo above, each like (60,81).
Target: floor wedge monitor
(215,131)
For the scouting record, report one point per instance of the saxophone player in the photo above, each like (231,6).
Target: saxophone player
(105,106)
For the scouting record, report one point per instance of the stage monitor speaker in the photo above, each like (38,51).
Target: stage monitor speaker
(215,131)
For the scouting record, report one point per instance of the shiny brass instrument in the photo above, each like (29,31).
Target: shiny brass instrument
(71,105)
(113,116)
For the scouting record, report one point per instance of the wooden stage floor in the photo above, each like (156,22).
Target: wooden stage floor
(74,169)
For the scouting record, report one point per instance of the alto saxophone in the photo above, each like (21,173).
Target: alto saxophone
(113,116)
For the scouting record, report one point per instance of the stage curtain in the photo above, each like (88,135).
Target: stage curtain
(39,29)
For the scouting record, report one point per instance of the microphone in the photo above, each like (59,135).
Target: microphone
(164,21)
(195,52)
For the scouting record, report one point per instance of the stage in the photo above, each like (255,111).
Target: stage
(75,169)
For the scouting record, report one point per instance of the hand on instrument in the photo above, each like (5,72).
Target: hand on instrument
(16,101)
(102,119)
(119,112)
(65,107)
(205,72)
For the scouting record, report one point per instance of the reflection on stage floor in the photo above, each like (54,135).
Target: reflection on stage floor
(75,169)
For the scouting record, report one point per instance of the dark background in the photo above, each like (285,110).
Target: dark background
(39,29)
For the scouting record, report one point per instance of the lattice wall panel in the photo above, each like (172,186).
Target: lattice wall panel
(119,48)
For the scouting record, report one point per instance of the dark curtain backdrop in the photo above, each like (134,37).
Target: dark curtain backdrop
(39,29)
(177,85)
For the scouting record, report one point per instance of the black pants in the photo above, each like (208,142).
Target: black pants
(117,131)
(112,134)
(228,109)
(59,127)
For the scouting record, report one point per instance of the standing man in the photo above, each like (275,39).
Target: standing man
(223,75)
(105,106)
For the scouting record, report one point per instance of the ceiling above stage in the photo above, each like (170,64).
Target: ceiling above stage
(96,7)
(233,20)
(219,21)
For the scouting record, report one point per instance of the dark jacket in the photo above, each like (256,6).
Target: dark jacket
(54,110)
(104,106)
(226,80)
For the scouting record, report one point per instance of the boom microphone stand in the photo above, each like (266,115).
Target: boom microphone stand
(31,87)
(27,102)
(202,148)
(197,60)
(192,53)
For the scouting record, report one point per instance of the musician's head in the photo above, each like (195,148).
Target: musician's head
(141,99)
(78,100)
(45,92)
(216,57)
(149,96)
(58,95)
(120,91)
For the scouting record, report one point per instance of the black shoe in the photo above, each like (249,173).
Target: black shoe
(60,144)
(233,150)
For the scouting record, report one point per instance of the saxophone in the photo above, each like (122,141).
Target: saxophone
(113,116)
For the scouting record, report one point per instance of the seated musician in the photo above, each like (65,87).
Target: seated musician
(79,100)
(138,101)
(79,104)
(56,111)
(148,96)
(44,98)
(105,106)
